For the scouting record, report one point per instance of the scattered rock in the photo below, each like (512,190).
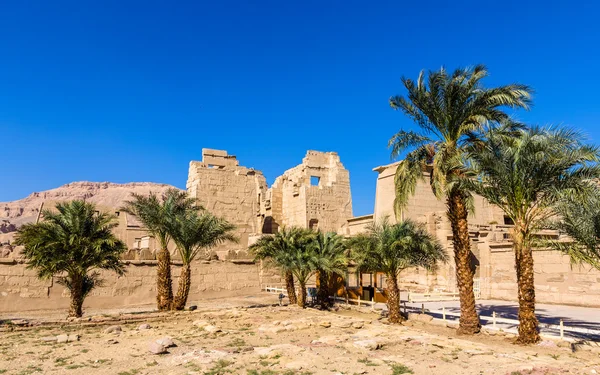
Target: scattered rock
(19,322)
(344,324)
(112,341)
(62,338)
(167,342)
(357,325)
(325,324)
(366,344)
(156,348)
(66,338)
(48,338)
(193,308)
(212,329)
(200,323)
(144,326)
(73,338)
(113,329)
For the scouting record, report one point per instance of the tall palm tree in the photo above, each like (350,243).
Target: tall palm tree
(156,213)
(287,251)
(451,111)
(304,260)
(391,249)
(75,241)
(580,220)
(526,176)
(331,252)
(193,232)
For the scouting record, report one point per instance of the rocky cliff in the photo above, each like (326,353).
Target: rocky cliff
(16,213)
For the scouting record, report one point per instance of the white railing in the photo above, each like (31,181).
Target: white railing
(274,289)
(439,295)
(359,302)
(561,327)
(494,319)
(432,297)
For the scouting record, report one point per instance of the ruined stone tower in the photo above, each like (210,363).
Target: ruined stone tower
(314,194)
(228,190)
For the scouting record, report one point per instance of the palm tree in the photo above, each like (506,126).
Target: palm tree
(304,261)
(527,176)
(156,213)
(391,249)
(288,251)
(580,220)
(192,232)
(331,252)
(75,241)
(451,110)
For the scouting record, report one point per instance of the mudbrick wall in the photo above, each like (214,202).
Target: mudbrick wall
(21,290)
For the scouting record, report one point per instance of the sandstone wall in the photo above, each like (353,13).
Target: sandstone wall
(424,202)
(230,191)
(314,194)
(556,280)
(21,290)
(358,225)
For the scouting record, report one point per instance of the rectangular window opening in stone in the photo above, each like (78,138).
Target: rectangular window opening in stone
(314,180)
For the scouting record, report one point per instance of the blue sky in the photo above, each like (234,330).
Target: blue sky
(132,91)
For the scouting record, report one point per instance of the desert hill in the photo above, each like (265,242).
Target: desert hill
(16,213)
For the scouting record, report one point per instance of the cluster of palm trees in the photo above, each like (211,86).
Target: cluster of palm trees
(76,240)
(541,177)
(388,248)
(176,217)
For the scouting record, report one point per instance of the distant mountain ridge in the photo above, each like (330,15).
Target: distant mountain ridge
(16,213)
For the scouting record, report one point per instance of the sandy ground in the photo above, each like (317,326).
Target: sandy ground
(239,336)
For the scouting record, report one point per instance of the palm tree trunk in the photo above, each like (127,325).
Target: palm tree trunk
(164,284)
(302,297)
(183,289)
(76,306)
(393,299)
(528,323)
(291,289)
(457,214)
(323,292)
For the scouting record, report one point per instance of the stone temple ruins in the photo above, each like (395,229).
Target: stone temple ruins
(314,194)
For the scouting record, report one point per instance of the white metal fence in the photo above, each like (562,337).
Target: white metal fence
(561,328)
(494,319)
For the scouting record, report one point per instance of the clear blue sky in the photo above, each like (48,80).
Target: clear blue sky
(132,91)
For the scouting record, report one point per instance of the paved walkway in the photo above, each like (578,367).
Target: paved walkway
(572,316)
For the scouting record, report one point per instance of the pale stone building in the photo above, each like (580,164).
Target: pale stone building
(314,194)
(230,191)
(556,279)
